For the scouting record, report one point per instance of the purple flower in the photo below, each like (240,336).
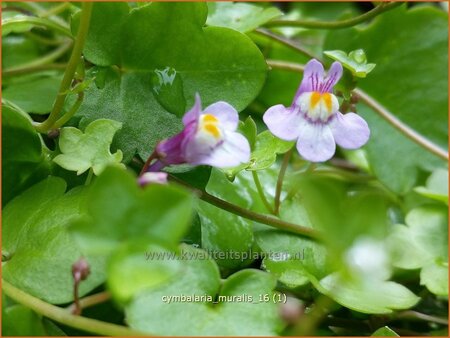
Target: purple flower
(314,119)
(209,137)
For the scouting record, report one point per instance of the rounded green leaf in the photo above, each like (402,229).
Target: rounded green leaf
(40,251)
(83,151)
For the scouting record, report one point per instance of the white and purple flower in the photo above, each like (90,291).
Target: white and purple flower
(209,137)
(314,119)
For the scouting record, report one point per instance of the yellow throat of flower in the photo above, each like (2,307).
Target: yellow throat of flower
(210,124)
(318,106)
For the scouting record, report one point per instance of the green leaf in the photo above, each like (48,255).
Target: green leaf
(290,258)
(436,187)
(222,231)
(23,160)
(137,266)
(41,216)
(120,211)
(21,321)
(249,130)
(384,331)
(355,61)
(153,312)
(435,277)
(83,151)
(18,50)
(240,16)
(34,93)
(161,76)
(128,98)
(104,37)
(264,154)
(399,84)
(423,244)
(339,209)
(16,24)
(375,296)
(266,149)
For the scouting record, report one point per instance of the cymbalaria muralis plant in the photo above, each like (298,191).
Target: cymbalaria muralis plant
(164,173)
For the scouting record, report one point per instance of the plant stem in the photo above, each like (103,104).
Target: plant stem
(63,316)
(400,126)
(55,10)
(261,191)
(383,7)
(284,41)
(92,300)
(41,22)
(379,109)
(50,57)
(286,65)
(67,116)
(56,66)
(89,177)
(280,179)
(251,215)
(70,70)
(409,314)
(309,323)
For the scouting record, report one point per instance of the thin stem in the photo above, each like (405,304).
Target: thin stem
(50,57)
(89,301)
(409,314)
(89,177)
(400,126)
(70,70)
(67,116)
(38,68)
(251,215)
(261,191)
(55,10)
(284,41)
(308,324)
(383,7)
(379,109)
(280,179)
(65,317)
(286,65)
(41,22)
(148,162)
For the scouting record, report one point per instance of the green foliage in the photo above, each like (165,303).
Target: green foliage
(410,49)
(34,93)
(149,310)
(385,332)
(422,243)
(39,248)
(23,157)
(31,324)
(83,151)
(239,16)
(120,211)
(209,253)
(228,66)
(355,61)
(436,186)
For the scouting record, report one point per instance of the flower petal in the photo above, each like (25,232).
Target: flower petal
(312,78)
(283,122)
(315,142)
(234,150)
(193,114)
(152,177)
(227,115)
(333,76)
(350,130)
